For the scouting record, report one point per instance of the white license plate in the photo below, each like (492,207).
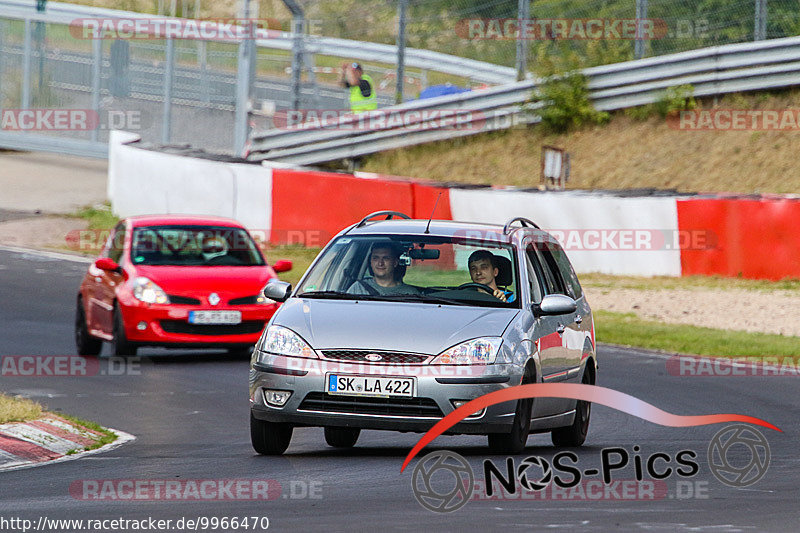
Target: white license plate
(215,317)
(369,386)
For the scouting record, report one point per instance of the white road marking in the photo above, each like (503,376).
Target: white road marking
(48,255)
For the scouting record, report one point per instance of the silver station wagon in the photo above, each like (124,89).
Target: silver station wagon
(398,322)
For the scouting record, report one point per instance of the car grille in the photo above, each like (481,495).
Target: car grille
(183,300)
(386,357)
(180,326)
(413,407)
(246,300)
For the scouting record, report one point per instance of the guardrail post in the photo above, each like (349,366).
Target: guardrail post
(298,25)
(310,62)
(523,14)
(760,23)
(2,44)
(243,69)
(402,7)
(202,62)
(26,67)
(97,62)
(169,67)
(639,43)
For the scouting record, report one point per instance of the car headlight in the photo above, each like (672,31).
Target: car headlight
(148,292)
(283,341)
(479,351)
(263,300)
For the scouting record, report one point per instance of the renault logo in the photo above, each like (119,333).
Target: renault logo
(213,298)
(373,357)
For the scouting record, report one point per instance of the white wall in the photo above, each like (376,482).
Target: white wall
(143,182)
(568,211)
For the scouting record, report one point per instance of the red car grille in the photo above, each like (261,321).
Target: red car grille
(182,300)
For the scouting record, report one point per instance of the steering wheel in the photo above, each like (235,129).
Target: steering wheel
(476,286)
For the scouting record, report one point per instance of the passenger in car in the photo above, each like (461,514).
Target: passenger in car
(484,268)
(387,274)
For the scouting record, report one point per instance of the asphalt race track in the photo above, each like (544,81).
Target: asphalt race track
(189,413)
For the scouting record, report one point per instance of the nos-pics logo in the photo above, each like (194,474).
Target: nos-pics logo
(443,481)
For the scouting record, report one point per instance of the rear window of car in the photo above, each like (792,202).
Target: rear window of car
(561,262)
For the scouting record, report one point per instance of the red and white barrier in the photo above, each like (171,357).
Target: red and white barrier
(623,235)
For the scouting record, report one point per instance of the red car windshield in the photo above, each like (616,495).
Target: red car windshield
(194,246)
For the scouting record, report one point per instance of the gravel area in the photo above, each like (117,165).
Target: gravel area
(737,309)
(43,232)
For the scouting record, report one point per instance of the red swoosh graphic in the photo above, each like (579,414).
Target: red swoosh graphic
(589,393)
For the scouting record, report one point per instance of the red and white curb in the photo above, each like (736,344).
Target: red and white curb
(49,439)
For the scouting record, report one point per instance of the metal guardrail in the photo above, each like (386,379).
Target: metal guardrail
(478,71)
(716,70)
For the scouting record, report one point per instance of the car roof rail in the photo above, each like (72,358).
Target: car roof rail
(389,215)
(526,223)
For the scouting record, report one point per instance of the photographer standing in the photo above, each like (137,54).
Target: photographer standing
(362,90)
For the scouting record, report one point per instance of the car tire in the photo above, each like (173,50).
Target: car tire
(341,437)
(269,438)
(515,441)
(84,342)
(575,434)
(120,346)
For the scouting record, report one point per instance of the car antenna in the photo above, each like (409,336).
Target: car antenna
(428,227)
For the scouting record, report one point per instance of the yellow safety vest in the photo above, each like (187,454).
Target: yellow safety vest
(359,102)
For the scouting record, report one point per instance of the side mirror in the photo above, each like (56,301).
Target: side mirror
(554,304)
(107,264)
(283,265)
(278,290)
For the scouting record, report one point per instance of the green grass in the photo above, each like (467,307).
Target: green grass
(107,436)
(606,281)
(629,330)
(300,257)
(99,217)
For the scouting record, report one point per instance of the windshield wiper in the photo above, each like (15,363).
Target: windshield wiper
(336,295)
(427,298)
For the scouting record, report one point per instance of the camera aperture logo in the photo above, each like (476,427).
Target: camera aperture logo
(738,456)
(458,485)
(732,444)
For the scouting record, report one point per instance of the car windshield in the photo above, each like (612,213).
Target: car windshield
(435,270)
(194,246)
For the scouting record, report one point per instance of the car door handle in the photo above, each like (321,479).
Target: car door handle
(578,319)
(560,329)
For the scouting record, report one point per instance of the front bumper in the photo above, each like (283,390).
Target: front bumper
(169,325)
(436,386)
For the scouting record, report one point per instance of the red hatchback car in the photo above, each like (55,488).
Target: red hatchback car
(175,281)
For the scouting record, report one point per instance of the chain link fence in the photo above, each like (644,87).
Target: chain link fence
(185,90)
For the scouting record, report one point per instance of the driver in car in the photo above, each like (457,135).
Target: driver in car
(483,269)
(387,274)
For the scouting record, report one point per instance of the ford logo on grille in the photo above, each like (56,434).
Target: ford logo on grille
(373,357)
